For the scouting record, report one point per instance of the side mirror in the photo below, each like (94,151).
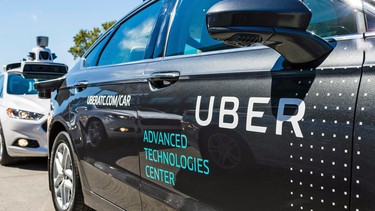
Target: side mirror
(281,25)
(46,87)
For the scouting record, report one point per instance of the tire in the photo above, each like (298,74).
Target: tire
(5,158)
(64,179)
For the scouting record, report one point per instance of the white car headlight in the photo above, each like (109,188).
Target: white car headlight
(20,114)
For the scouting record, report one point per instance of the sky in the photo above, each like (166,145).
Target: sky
(22,21)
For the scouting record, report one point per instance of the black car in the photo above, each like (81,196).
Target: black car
(220,105)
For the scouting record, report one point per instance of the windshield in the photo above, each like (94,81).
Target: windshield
(18,85)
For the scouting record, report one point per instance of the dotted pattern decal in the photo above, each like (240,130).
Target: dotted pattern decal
(363,182)
(320,162)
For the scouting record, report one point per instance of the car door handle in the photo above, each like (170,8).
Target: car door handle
(160,76)
(163,79)
(81,85)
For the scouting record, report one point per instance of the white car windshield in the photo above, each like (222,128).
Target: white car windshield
(19,85)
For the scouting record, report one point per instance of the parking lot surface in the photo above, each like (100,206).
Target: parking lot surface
(24,186)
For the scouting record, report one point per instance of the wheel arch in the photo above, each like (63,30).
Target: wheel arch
(56,128)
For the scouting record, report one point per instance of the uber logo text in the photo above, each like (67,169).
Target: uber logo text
(280,119)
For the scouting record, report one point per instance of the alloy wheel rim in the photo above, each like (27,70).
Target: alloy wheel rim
(224,151)
(63,179)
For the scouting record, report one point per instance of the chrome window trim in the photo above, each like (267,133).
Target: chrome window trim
(344,37)
(370,34)
(120,64)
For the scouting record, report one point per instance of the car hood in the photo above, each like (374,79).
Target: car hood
(28,103)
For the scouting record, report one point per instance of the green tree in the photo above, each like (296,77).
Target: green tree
(85,38)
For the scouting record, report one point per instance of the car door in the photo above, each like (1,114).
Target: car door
(235,129)
(363,181)
(103,114)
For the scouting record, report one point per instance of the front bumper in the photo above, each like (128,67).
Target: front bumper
(15,129)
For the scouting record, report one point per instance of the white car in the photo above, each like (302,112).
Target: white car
(23,115)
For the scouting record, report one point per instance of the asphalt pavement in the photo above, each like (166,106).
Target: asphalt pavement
(24,186)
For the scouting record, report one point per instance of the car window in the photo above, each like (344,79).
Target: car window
(1,85)
(331,17)
(130,40)
(369,7)
(188,34)
(18,85)
(92,58)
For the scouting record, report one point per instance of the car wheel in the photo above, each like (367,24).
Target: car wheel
(5,158)
(64,176)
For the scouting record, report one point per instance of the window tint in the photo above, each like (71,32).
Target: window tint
(18,85)
(188,33)
(130,40)
(92,58)
(369,7)
(331,17)
(1,85)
